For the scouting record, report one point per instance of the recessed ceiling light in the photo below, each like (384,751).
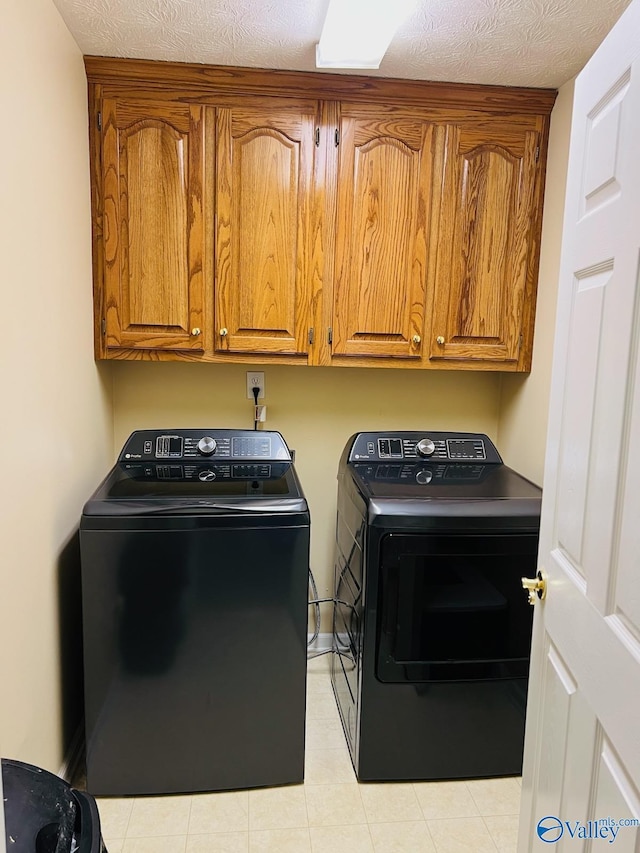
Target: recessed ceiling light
(357,33)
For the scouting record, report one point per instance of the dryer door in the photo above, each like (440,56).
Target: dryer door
(451,607)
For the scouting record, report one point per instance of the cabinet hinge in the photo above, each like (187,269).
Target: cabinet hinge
(330,335)
(103,326)
(537,153)
(337,137)
(99,120)
(317,137)
(311,335)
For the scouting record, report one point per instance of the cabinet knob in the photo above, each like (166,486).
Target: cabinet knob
(416,339)
(440,340)
(195,332)
(224,333)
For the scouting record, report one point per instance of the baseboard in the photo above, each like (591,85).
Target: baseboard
(322,643)
(73,756)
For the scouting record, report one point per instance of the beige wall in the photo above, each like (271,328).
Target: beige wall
(524,402)
(316,409)
(56,424)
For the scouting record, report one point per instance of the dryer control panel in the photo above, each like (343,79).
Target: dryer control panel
(412,446)
(191,445)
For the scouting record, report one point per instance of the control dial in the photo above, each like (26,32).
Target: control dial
(424,476)
(207,446)
(207,476)
(425,447)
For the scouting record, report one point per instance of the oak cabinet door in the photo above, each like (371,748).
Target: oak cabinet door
(153,227)
(486,259)
(264,214)
(383,219)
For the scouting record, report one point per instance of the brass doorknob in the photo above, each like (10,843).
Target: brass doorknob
(416,339)
(224,333)
(537,587)
(440,340)
(195,332)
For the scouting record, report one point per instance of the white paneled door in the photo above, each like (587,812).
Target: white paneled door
(582,750)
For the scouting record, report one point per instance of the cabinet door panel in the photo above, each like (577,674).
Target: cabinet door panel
(483,274)
(153,225)
(264,187)
(384,200)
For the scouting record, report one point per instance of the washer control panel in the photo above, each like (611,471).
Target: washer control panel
(200,445)
(414,446)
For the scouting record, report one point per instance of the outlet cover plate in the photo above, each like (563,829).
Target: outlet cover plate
(255,378)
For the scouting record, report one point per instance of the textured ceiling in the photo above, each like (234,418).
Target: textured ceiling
(506,42)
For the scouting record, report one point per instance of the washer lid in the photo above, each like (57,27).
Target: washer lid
(153,488)
(200,472)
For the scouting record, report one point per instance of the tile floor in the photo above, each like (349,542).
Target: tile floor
(330,813)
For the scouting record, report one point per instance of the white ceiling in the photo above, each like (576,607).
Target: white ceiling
(505,42)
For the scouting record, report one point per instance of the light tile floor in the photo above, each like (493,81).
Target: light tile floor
(330,813)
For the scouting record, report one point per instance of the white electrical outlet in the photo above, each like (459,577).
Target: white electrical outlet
(255,379)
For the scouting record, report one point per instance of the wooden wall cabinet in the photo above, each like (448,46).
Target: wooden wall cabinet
(264,227)
(257,216)
(152,176)
(486,243)
(384,201)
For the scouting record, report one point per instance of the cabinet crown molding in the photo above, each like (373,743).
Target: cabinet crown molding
(194,80)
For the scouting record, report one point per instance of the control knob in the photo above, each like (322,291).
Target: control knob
(206,476)
(207,446)
(424,476)
(425,447)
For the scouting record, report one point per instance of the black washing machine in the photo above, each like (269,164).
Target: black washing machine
(195,557)
(432,629)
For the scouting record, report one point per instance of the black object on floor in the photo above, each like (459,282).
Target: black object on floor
(43,814)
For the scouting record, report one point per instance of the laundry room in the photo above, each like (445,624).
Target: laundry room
(67,414)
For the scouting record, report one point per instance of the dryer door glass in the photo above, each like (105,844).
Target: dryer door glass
(452,608)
